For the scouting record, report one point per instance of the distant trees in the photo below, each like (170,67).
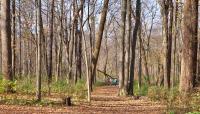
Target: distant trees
(6,41)
(66,32)
(189,49)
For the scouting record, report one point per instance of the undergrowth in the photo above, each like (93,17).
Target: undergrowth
(175,101)
(27,86)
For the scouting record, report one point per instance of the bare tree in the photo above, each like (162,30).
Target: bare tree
(99,37)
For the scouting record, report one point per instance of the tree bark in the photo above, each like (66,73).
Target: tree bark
(176,16)
(13,39)
(39,46)
(20,40)
(140,59)
(167,24)
(128,47)
(122,88)
(99,37)
(133,46)
(189,49)
(50,46)
(6,41)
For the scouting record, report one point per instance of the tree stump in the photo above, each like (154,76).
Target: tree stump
(67,101)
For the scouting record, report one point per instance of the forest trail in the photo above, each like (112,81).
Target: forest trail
(104,101)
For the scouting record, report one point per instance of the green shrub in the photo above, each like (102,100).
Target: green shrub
(100,83)
(80,89)
(26,86)
(62,87)
(140,91)
(65,89)
(7,86)
(157,93)
(193,113)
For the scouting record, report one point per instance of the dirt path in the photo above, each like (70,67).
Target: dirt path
(104,101)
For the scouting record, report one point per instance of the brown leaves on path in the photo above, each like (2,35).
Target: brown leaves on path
(104,101)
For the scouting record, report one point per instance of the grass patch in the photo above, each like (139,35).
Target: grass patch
(143,91)
(100,83)
(26,102)
(175,100)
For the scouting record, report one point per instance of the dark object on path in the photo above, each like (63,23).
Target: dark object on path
(67,101)
(136,97)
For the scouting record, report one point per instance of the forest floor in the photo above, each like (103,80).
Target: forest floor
(104,101)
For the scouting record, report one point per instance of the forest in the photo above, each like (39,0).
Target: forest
(99,57)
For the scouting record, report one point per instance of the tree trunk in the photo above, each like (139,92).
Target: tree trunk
(79,53)
(140,59)
(176,16)
(198,63)
(6,42)
(50,46)
(133,46)
(99,35)
(189,49)
(13,39)
(60,49)
(122,88)
(39,46)
(128,38)
(20,40)
(167,24)
(92,28)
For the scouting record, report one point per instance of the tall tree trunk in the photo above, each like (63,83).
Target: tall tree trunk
(72,40)
(122,88)
(128,39)
(50,46)
(189,49)
(140,58)
(99,35)
(79,47)
(20,40)
(176,16)
(133,46)
(198,63)
(13,39)
(91,24)
(60,49)
(169,51)
(78,42)
(6,42)
(145,63)
(39,46)
(167,24)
